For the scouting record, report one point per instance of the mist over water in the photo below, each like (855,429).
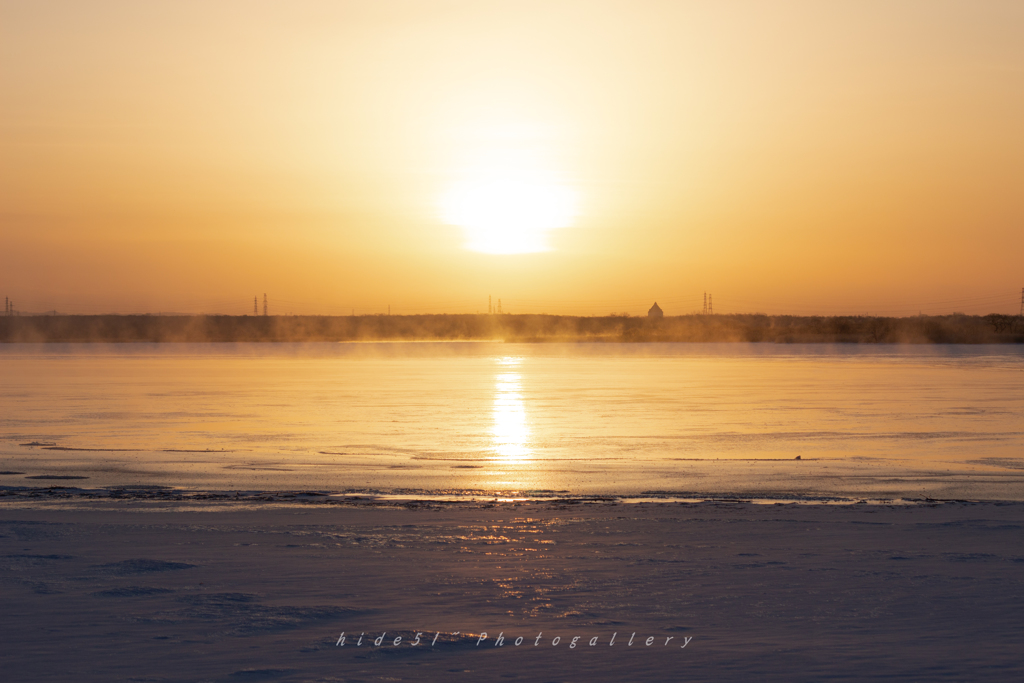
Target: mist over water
(518,419)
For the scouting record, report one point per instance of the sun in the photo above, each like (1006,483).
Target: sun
(508,214)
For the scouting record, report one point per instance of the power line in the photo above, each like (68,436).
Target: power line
(981,304)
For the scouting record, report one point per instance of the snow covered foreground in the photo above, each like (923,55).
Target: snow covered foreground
(143,591)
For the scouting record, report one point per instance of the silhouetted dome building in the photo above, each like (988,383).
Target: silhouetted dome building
(655,311)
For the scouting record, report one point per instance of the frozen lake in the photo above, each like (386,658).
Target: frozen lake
(519,420)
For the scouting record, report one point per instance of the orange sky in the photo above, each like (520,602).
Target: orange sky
(788,157)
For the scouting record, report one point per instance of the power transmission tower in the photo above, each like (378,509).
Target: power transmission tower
(255,309)
(499,306)
(711,308)
(264,303)
(705,304)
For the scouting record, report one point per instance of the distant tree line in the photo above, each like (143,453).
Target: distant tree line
(947,329)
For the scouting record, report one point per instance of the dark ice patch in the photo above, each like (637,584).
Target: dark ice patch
(41,588)
(969,557)
(88,450)
(28,562)
(132,591)
(31,530)
(261,674)
(242,614)
(55,476)
(131,567)
(218,598)
(1004,463)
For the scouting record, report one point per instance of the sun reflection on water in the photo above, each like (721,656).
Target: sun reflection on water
(510,432)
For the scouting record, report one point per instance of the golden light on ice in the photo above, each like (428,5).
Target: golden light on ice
(508,214)
(510,432)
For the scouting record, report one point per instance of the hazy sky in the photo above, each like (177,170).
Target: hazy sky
(788,157)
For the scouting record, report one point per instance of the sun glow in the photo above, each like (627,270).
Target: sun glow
(508,214)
